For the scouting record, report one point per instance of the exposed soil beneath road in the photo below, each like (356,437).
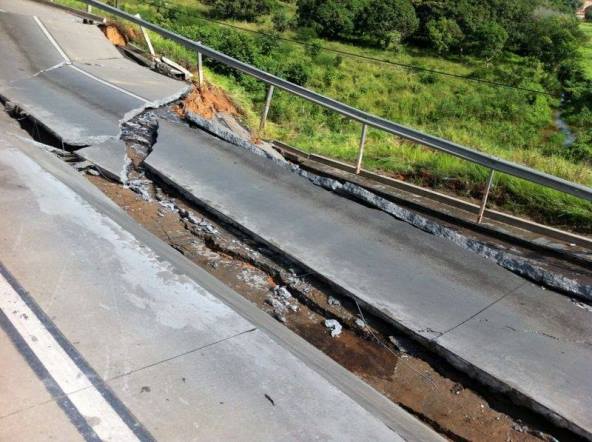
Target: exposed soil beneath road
(420,382)
(207,102)
(114,34)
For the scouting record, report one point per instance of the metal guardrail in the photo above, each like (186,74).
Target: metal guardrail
(367,119)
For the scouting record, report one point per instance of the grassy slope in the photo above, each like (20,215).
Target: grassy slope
(513,125)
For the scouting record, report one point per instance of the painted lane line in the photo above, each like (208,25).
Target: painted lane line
(52,40)
(105,421)
(111,85)
(69,63)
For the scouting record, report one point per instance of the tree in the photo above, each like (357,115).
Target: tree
(241,9)
(330,18)
(280,21)
(386,21)
(444,34)
(552,38)
(490,40)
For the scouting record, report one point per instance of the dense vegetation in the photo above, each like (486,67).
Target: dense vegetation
(490,41)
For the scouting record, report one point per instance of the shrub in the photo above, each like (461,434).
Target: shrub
(382,20)
(313,49)
(280,21)
(268,42)
(552,39)
(588,14)
(297,73)
(330,18)
(444,34)
(491,38)
(241,9)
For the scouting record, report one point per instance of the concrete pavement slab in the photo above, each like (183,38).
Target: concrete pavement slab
(420,282)
(200,397)
(31,7)
(540,344)
(139,288)
(76,108)
(403,272)
(45,422)
(128,310)
(81,42)
(137,79)
(25,49)
(109,157)
(24,399)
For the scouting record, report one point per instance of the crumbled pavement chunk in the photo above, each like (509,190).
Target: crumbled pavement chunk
(334,326)
(333,301)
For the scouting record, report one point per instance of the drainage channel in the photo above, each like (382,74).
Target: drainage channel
(405,372)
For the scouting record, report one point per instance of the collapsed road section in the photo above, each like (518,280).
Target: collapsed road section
(151,333)
(72,81)
(531,344)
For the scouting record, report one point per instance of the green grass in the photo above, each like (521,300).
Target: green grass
(510,124)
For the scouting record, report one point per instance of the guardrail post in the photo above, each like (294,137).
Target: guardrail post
(266,108)
(200,73)
(89,9)
(361,151)
(485,196)
(147,39)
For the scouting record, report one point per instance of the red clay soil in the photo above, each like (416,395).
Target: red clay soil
(114,34)
(207,102)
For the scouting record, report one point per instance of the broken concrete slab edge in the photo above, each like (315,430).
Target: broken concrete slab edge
(516,264)
(392,415)
(227,135)
(481,376)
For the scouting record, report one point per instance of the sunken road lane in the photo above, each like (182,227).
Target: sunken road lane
(521,340)
(130,340)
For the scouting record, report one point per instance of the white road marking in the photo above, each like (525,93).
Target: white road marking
(111,85)
(86,398)
(69,63)
(52,40)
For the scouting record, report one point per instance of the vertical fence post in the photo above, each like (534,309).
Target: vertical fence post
(200,73)
(89,9)
(147,39)
(266,108)
(361,151)
(485,196)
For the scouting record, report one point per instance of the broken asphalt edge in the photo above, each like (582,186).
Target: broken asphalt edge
(514,263)
(394,417)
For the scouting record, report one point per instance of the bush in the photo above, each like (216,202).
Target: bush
(280,21)
(268,42)
(241,9)
(330,18)
(552,39)
(444,34)
(387,21)
(491,39)
(313,49)
(588,14)
(297,73)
